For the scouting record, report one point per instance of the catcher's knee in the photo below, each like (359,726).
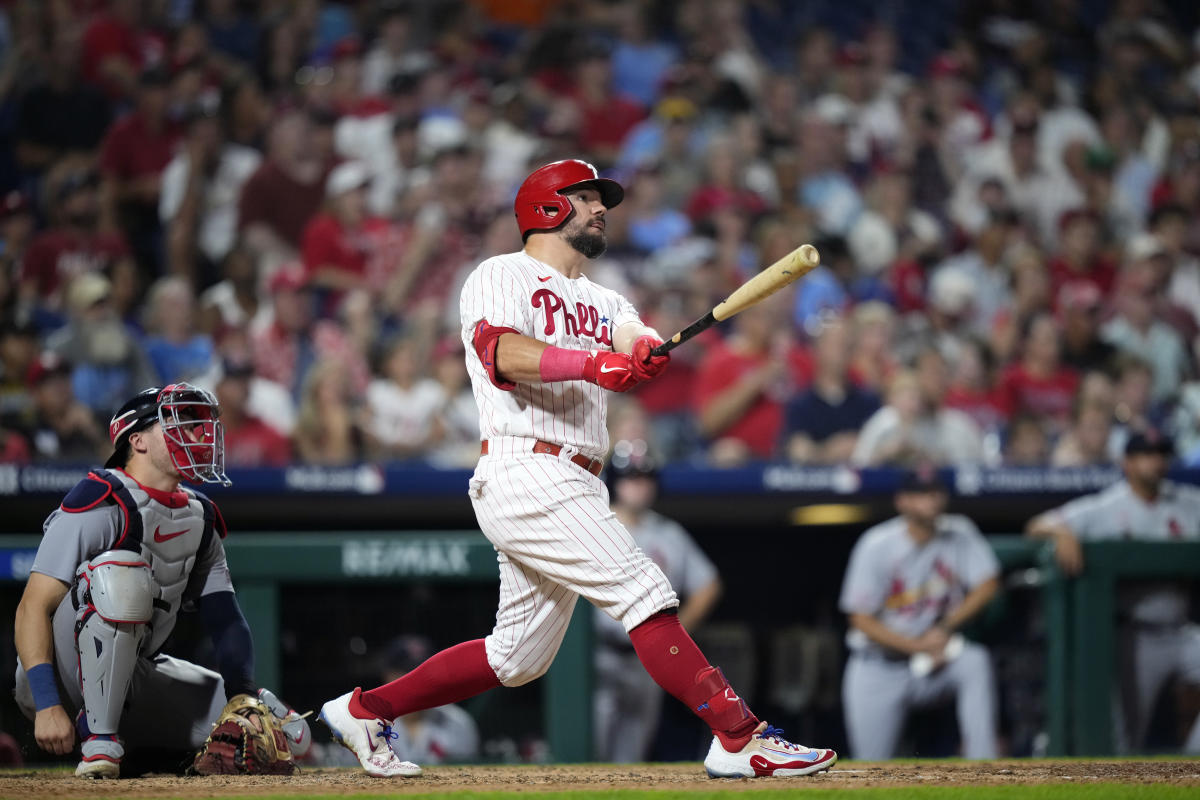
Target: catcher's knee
(118,586)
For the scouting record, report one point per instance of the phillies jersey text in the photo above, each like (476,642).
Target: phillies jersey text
(517,291)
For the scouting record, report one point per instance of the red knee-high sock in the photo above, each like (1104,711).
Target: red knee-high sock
(678,666)
(452,675)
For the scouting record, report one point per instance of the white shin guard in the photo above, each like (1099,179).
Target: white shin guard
(115,600)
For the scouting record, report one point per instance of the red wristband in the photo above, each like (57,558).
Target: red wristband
(559,364)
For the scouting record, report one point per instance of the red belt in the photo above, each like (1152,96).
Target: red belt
(592,465)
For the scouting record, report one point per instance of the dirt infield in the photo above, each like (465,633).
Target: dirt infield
(686,777)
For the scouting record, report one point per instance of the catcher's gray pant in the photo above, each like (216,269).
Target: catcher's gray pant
(877,694)
(627,704)
(171,703)
(1149,658)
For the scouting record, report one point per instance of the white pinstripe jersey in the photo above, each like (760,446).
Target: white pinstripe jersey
(517,291)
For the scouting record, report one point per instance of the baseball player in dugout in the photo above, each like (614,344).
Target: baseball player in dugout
(912,583)
(1157,642)
(125,552)
(544,347)
(627,700)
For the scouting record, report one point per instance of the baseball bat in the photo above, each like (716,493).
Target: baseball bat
(796,264)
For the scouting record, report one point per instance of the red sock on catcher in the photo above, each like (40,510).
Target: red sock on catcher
(454,674)
(677,665)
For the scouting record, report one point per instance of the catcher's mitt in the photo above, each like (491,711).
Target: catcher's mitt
(246,740)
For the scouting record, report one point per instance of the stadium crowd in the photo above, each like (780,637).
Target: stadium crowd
(279,199)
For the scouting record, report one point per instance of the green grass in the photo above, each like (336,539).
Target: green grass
(1066,791)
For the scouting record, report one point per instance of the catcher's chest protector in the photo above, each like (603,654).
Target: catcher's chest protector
(169,535)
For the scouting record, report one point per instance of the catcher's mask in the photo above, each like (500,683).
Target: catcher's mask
(540,205)
(191,427)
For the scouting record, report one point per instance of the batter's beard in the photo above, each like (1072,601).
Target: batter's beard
(592,245)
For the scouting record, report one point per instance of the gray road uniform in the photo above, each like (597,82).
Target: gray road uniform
(132,561)
(909,588)
(627,700)
(1156,640)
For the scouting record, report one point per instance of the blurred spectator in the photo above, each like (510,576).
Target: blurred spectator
(200,190)
(890,229)
(292,342)
(627,701)
(652,223)
(232,31)
(329,429)
(1136,329)
(1039,384)
(744,381)
(233,302)
(1079,307)
(1157,642)
(457,417)
(62,429)
(108,363)
(985,266)
(133,155)
(177,350)
(340,243)
(402,404)
(723,187)
(18,350)
(60,116)
(1085,443)
(825,184)
(1079,259)
(395,50)
(1135,410)
(605,117)
(874,328)
(72,246)
(821,424)
(115,48)
(912,583)
(915,425)
(249,442)
(446,734)
(972,386)
(1026,443)
(283,193)
(1031,296)
(640,61)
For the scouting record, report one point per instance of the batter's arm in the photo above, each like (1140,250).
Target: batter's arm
(519,358)
(33,633)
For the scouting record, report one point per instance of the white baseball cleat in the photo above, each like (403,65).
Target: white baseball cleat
(367,738)
(767,754)
(101,757)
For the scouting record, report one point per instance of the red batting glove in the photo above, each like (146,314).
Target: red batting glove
(612,371)
(646,366)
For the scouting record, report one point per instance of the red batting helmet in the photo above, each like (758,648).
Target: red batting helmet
(540,204)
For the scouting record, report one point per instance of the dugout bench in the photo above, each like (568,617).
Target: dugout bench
(1080,613)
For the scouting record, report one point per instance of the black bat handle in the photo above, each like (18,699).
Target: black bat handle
(700,325)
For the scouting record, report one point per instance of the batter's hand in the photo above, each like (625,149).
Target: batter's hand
(612,371)
(53,730)
(646,366)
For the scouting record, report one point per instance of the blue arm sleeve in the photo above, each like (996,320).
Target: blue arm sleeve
(231,639)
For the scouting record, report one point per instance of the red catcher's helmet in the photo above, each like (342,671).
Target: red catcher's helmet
(540,204)
(191,427)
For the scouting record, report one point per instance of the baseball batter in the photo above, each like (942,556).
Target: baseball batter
(544,347)
(126,550)
(911,583)
(627,700)
(1157,641)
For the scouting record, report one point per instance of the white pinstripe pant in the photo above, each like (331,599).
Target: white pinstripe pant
(556,540)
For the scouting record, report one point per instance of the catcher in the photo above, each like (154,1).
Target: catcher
(124,553)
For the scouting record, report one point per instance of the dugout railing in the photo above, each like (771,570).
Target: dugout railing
(1080,613)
